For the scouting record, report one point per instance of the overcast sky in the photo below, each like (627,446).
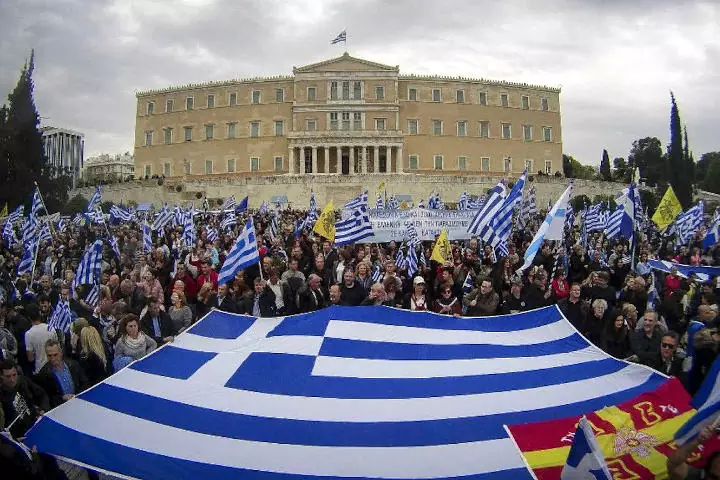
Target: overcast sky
(615,60)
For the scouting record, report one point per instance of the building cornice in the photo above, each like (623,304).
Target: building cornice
(211,84)
(484,81)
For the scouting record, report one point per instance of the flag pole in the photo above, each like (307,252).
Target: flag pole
(32,274)
(42,200)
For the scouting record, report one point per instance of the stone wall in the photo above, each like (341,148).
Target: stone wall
(337,188)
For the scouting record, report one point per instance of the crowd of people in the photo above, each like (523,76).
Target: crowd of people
(146,298)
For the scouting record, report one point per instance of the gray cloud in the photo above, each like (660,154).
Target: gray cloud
(616,61)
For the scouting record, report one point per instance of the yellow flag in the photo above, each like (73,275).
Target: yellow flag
(667,210)
(4,212)
(381,186)
(442,250)
(325,224)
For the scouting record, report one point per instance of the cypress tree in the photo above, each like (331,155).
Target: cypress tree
(680,178)
(605,172)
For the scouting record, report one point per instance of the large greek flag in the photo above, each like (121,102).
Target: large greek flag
(341,393)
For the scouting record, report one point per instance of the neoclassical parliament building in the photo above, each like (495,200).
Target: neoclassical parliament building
(348,116)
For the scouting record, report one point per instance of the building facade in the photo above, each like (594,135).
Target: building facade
(110,168)
(64,150)
(348,116)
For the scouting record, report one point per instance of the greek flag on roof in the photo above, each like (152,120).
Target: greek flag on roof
(243,254)
(341,393)
(492,204)
(687,223)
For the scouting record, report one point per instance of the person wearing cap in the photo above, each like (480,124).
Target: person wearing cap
(417,300)
(482,300)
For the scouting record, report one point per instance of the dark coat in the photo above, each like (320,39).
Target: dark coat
(228,304)
(49,382)
(167,328)
(94,368)
(33,396)
(310,301)
(352,296)
(266,302)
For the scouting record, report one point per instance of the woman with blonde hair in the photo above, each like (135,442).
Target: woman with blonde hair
(93,359)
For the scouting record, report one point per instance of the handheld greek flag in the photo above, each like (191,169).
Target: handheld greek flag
(228,222)
(379,202)
(411,261)
(113,241)
(376,274)
(354,228)
(89,269)
(273,227)
(16,215)
(400,259)
(393,203)
(93,296)
(94,201)
(263,210)
(462,203)
(586,460)
(228,204)
(485,215)
(498,229)
(242,206)
(551,229)
(468,284)
(434,202)
(61,317)
(357,202)
(412,234)
(707,403)
(243,254)
(119,213)
(189,232)
(147,237)
(9,234)
(27,262)
(687,223)
(211,234)
(163,218)
(595,218)
(339,394)
(36,203)
(713,233)
(44,234)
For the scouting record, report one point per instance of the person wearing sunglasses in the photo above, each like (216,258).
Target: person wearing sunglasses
(447,303)
(667,361)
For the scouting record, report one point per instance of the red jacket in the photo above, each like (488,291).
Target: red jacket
(202,280)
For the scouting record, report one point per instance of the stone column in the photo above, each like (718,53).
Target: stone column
(314,160)
(364,159)
(301,163)
(388,161)
(400,159)
(327,159)
(351,160)
(376,167)
(291,160)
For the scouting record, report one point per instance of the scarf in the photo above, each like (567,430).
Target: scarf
(417,303)
(136,343)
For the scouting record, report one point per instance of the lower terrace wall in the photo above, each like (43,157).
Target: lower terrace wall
(338,188)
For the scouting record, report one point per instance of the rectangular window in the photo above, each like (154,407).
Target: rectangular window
(525,102)
(357,90)
(168,136)
(209,132)
(357,121)
(413,162)
(412,94)
(148,170)
(231,165)
(279,128)
(544,102)
(379,124)
(462,128)
(413,127)
(333,121)
(482,98)
(186,168)
(346,120)
(548,167)
(462,163)
(148,138)
(189,103)
(547,134)
(169,104)
(506,130)
(150,108)
(211,101)
(504,100)
(233,99)
(527,133)
(333,90)
(484,129)
(529,165)
(254,129)
(231,130)
(436,95)
(188,134)
(278,161)
(485,164)
(311,93)
(346,90)
(460,96)
(254,164)
(208,166)
(507,164)
(379,92)
(256,97)
(437,127)
(279,95)
(438,162)
(310,125)
(166,169)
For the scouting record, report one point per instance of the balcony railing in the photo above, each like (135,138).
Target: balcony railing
(346,133)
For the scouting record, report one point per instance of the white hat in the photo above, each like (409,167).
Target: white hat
(419,281)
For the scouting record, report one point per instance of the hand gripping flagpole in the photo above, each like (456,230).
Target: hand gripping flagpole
(42,200)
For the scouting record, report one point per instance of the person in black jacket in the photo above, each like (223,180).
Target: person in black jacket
(61,378)
(222,300)
(616,337)
(261,303)
(22,400)
(157,324)
(351,292)
(574,308)
(666,362)
(313,297)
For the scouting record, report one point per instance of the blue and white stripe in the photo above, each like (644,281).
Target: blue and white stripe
(243,254)
(118,212)
(485,215)
(228,222)
(93,296)
(595,218)
(344,393)
(707,403)
(393,203)
(498,230)
(400,259)
(354,228)
(94,201)
(411,261)
(712,236)
(45,235)
(27,262)
(211,234)
(37,203)
(614,223)
(228,204)
(16,215)
(114,245)
(273,227)
(163,219)
(147,237)
(379,202)
(462,203)
(687,223)
(89,269)
(61,317)
(359,201)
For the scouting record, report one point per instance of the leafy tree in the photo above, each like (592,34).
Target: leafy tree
(649,199)
(646,154)
(605,173)
(702,172)
(688,156)
(574,169)
(578,202)
(712,178)
(22,158)
(679,177)
(623,171)
(76,204)
(609,199)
